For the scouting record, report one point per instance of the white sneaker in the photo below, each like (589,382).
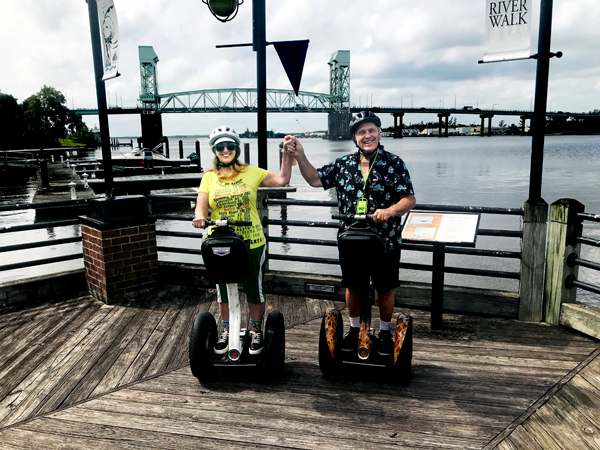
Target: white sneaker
(222,345)
(256,345)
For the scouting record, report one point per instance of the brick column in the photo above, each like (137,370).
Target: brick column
(119,250)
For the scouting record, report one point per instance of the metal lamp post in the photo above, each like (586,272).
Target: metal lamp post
(225,10)
(101,95)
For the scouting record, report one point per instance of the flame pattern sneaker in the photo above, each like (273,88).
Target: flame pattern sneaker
(386,346)
(256,345)
(350,341)
(222,345)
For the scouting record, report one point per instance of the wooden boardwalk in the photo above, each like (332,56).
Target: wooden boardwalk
(78,374)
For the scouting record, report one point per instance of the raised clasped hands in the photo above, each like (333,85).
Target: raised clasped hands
(292,146)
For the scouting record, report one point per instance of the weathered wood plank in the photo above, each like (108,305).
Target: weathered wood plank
(118,357)
(173,338)
(54,441)
(591,373)
(116,435)
(179,421)
(533,260)
(82,358)
(139,352)
(148,353)
(520,439)
(27,383)
(181,355)
(581,318)
(318,404)
(25,359)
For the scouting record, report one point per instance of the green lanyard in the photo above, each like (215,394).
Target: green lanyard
(369,173)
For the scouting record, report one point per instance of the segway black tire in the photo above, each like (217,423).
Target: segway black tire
(203,338)
(274,351)
(403,349)
(330,363)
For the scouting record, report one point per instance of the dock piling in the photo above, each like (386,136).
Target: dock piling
(533,260)
(563,228)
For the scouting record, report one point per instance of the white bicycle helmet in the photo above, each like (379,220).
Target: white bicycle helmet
(223,134)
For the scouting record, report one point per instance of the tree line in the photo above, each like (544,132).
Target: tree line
(41,120)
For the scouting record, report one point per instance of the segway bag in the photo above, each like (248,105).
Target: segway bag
(226,256)
(360,248)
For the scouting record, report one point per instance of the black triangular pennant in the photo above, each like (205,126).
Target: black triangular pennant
(292,55)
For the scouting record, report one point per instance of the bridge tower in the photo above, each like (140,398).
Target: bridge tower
(151,118)
(339,89)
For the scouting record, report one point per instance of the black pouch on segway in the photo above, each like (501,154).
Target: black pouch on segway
(361,248)
(226,256)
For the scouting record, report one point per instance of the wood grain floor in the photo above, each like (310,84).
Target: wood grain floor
(78,374)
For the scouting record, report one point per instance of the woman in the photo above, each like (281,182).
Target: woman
(230,191)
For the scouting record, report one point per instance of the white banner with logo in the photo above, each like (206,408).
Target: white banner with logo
(507,30)
(109,30)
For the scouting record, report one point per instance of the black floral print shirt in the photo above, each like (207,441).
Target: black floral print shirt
(387,183)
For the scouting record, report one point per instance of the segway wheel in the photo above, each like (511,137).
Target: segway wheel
(203,338)
(274,351)
(403,349)
(330,340)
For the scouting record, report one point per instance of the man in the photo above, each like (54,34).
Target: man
(377,180)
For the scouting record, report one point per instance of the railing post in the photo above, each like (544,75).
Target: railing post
(533,260)
(180,149)
(263,213)
(198,155)
(246,153)
(564,227)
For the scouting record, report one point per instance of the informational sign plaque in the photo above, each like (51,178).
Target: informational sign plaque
(448,228)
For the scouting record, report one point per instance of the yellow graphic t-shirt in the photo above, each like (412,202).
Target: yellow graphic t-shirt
(236,200)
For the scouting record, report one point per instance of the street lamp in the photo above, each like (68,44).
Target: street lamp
(494,105)
(223,10)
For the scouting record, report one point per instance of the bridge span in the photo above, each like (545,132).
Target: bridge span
(336,103)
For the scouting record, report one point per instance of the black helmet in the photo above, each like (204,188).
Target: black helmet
(363,117)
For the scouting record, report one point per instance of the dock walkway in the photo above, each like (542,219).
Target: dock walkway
(79,374)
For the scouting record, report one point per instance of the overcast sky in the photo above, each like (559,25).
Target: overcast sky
(402,52)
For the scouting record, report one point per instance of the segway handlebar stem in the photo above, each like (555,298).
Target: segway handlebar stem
(352,217)
(229,223)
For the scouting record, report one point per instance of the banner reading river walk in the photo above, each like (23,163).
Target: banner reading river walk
(109,28)
(507,30)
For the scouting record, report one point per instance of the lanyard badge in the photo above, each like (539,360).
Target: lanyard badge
(361,206)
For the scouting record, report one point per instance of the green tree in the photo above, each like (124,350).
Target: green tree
(11,123)
(46,118)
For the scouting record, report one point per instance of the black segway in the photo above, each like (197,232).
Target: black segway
(226,257)
(361,248)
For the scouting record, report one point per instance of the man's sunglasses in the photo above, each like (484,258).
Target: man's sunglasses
(231,146)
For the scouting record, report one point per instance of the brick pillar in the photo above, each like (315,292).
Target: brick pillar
(119,248)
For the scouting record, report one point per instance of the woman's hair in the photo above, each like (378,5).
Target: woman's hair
(238,167)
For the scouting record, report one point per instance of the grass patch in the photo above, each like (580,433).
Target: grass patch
(69,143)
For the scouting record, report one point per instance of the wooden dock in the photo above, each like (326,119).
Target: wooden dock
(79,374)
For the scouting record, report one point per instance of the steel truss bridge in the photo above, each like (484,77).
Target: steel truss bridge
(244,100)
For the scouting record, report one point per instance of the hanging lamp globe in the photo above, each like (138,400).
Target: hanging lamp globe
(223,10)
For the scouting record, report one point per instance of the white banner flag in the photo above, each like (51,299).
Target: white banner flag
(507,30)
(109,28)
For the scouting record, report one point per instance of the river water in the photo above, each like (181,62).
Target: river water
(469,170)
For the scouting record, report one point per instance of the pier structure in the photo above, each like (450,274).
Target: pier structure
(82,371)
